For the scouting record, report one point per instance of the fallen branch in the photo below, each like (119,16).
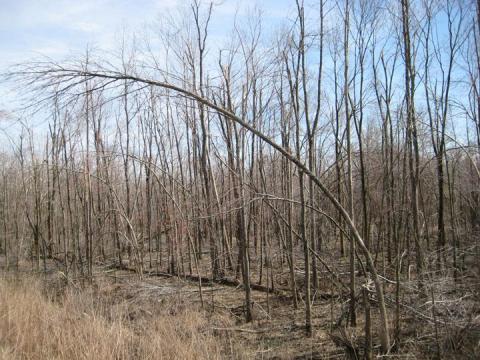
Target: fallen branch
(241,330)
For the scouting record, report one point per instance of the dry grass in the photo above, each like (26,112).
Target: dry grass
(84,325)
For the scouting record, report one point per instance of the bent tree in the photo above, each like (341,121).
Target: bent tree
(295,163)
(67,82)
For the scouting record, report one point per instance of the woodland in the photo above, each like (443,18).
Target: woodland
(308,190)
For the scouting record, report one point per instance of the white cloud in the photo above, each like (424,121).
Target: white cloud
(72,23)
(60,28)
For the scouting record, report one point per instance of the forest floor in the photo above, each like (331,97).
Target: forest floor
(162,317)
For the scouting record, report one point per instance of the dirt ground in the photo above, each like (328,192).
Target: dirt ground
(277,331)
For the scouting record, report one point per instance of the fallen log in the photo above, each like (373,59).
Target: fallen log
(280,293)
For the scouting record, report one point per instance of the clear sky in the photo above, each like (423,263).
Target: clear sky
(59,28)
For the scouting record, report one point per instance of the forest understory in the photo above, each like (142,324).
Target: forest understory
(159,315)
(304,187)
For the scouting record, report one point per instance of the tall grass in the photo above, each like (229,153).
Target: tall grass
(80,325)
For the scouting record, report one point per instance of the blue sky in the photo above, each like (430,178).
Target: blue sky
(58,27)
(63,28)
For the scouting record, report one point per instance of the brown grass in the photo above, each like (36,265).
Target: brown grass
(34,324)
